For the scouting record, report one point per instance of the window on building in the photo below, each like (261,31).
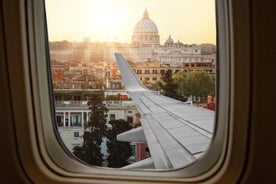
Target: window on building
(112,117)
(133,149)
(76,98)
(76,134)
(59,120)
(139,71)
(147,72)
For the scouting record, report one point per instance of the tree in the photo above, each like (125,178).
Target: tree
(195,83)
(180,80)
(94,131)
(119,152)
(168,85)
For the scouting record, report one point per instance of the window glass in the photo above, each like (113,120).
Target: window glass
(112,117)
(170,45)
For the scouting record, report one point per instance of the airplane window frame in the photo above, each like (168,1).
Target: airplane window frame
(53,160)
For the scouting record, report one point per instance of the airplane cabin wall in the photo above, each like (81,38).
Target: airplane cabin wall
(261,166)
(261,163)
(10,167)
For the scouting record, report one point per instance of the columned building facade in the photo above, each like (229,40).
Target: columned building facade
(72,112)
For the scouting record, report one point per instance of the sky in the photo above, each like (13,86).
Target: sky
(189,21)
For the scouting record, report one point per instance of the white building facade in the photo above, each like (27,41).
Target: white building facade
(72,115)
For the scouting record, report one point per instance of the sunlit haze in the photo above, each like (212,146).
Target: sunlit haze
(190,21)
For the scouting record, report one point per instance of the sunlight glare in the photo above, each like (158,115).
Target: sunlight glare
(105,19)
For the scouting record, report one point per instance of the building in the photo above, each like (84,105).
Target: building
(151,72)
(72,113)
(208,66)
(145,45)
(92,65)
(145,32)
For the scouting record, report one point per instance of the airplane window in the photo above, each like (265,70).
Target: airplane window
(98,50)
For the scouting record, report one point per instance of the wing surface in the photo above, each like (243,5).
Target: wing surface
(176,133)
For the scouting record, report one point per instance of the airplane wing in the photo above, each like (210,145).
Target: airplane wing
(176,133)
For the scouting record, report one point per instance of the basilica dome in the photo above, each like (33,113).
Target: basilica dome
(145,25)
(145,32)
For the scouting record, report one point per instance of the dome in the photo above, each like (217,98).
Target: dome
(145,32)
(169,41)
(145,25)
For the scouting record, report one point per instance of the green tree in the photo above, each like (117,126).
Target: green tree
(94,131)
(119,152)
(168,85)
(195,83)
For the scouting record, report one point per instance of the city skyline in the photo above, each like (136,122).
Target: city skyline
(190,21)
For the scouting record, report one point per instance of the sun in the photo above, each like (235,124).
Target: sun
(105,20)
